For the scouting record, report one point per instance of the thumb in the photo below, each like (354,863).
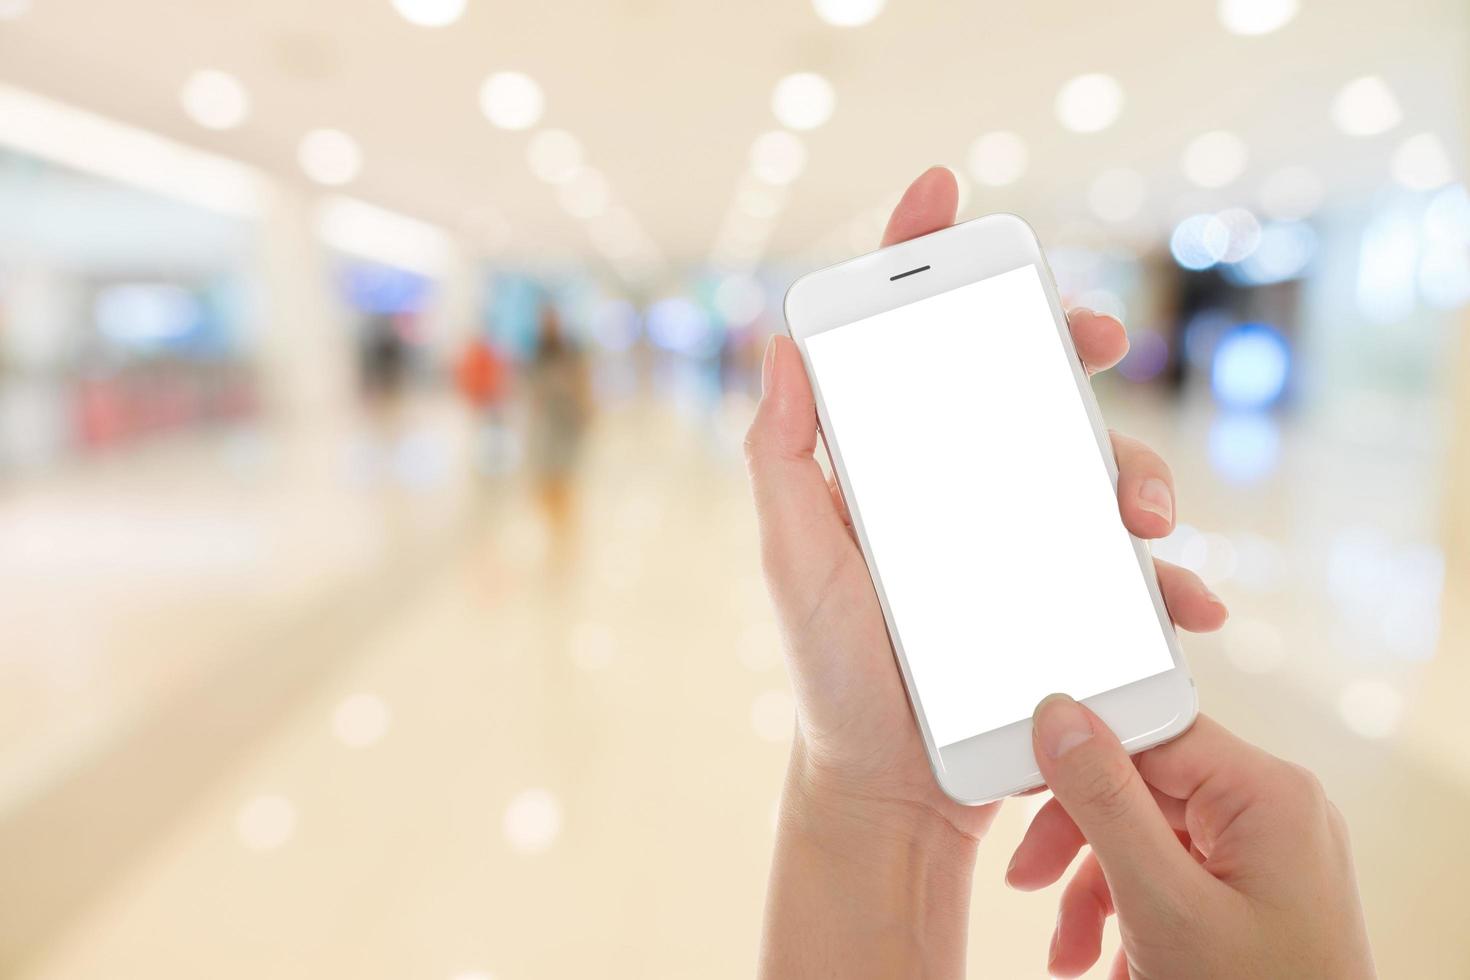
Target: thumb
(1093,779)
(802,533)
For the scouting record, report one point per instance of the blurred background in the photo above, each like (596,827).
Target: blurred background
(377,576)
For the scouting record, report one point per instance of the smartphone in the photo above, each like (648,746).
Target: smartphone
(982,486)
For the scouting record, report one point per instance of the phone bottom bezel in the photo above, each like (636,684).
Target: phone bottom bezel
(1000,763)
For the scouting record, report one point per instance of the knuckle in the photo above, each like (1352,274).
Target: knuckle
(1305,788)
(754,441)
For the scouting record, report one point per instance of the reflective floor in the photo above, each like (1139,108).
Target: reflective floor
(482,744)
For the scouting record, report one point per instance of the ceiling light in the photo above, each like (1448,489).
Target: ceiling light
(430,13)
(554,155)
(848,13)
(804,100)
(512,100)
(214,99)
(1292,193)
(330,156)
(998,159)
(1089,103)
(385,237)
(91,144)
(1214,159)
(1366,107)
(777,157)
(585,195)
(1422,163)
(1252,17)
(1117,195)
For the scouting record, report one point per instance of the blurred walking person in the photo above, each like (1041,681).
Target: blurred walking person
(483,379)
(560,405)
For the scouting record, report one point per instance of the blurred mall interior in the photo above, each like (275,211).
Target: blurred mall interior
(379,585)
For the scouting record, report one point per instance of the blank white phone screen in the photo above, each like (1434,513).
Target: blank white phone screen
(977,479)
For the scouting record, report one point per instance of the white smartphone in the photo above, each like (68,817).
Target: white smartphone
(982,486)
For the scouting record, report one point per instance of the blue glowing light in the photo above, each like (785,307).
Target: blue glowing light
(1251,367)
(1244,446)
(383,290)
(679,324)
(1199,241)
(1283,252)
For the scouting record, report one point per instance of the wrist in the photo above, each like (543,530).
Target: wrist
(848,814)
(864,885)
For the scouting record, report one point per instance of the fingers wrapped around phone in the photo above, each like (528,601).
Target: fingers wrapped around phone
(1145,488)
(1191,604)
(1099,338)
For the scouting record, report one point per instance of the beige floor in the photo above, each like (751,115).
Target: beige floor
(572,772)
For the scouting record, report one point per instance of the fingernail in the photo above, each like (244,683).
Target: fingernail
(1154,497)
(768,364)
(1061,725)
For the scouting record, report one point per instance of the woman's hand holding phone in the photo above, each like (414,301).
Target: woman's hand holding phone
(1263,885)
(859,790)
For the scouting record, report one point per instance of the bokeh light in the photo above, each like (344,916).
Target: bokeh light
(1254,17)
(512,100)
(1089,103)
(361,720)
(532,821)
(1214,159)
(266,823)
(998,158)
(1371,708)
(1252,364)
(430,13)
(554,155)
(848,13)
(1284,251)
(804,100)
(777,157)
(1199,241)
(1366,107)
(215,99)
(1422,163)
(330,157)
(585,194)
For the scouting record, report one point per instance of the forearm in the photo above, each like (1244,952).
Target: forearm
(863,888)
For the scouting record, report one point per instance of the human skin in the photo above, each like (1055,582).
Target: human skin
(872,869)
(1220,860)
